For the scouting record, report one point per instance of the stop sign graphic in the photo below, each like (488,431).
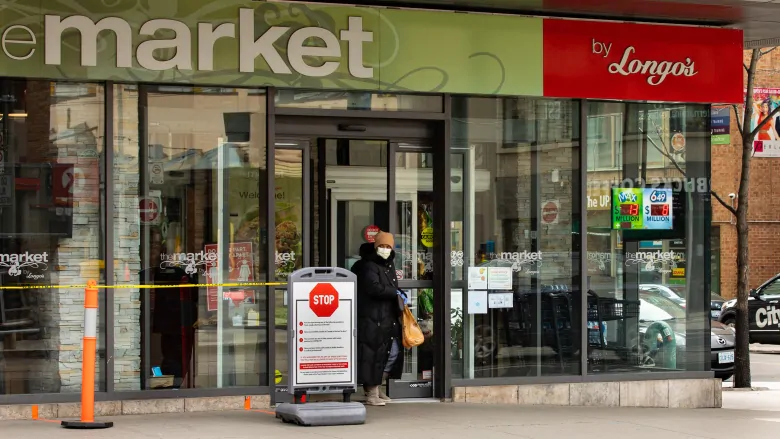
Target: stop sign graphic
(323,300)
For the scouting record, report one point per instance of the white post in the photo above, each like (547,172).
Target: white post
(221,261)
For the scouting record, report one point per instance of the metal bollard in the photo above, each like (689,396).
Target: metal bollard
(87,420)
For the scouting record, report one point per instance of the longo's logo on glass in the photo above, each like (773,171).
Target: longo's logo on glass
(19,42)
(18,263)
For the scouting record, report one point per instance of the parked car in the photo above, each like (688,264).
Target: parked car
(763,312)
(662,290)
(655,308)
(676,293)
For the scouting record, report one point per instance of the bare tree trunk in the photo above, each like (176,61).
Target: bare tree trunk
(742,352)
(742,376)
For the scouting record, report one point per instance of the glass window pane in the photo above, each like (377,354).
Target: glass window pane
(358,100)
(518,314)
(643,314)
(288,202)
(51,140)
(190,207)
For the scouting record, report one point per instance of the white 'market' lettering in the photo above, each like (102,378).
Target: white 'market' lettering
(299,48)
(657,71)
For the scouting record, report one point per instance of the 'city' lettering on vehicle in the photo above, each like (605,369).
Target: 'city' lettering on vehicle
(767,316)
(18,42)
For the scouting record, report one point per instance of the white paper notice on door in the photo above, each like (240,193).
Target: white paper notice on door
(499,278)
(478,302)
(500,300)
(478,278)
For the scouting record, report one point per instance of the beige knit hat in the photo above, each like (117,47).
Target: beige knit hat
(384,238)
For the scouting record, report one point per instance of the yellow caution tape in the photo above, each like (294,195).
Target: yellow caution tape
(130,287)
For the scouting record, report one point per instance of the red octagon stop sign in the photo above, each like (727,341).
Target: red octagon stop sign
(323,300)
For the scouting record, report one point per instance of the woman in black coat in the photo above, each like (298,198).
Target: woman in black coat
(380,305)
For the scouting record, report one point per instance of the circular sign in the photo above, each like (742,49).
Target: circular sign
(678,142)
(323,300)
(148,209)
(399,274)
(369,233)
(426,237)
(277,376)
(550,212)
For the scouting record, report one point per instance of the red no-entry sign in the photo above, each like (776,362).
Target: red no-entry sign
(149,210)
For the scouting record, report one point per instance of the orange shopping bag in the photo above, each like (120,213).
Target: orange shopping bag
(413,335)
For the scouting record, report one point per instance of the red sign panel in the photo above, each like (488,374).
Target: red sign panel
(629,61)
(323,300)
(62,184)
(370,232)
(240,267)
(149,210)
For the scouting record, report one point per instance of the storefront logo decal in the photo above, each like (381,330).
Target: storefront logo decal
(656,71)
(600,258)
(17,262)
(661,262)
(205,39)
(530,262)
(456,258)
(190,261)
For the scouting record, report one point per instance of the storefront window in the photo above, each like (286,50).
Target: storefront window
(520,300)
(358,100)
(190,206)
(645,292)
(51,150)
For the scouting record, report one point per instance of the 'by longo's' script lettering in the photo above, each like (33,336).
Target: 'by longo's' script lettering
(656,71)
(301,44)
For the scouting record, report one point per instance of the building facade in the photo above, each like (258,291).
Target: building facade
(726,168)
(535,173)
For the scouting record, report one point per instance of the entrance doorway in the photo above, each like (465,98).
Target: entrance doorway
(356,179)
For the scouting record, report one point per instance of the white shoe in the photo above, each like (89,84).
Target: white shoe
(372,397)
(383,396)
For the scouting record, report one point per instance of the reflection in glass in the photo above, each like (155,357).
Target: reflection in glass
(644,313)
(414,249)
(189,209)
(288,202)
(520,211)
(358,100)
(51,218)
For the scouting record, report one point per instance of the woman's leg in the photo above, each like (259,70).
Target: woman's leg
(395,351)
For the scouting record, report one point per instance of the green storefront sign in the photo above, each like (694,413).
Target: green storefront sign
(244,43)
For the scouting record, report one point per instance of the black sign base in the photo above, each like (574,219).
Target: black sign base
(78,425)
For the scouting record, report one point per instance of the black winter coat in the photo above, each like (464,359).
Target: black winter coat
(379,316)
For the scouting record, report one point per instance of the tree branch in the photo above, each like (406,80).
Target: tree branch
(736,117)
(764,52)
(747,70)
(669,157)
(723,203)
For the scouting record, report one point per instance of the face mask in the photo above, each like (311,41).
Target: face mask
(383,253)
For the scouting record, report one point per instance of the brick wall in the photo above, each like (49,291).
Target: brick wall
(763,214)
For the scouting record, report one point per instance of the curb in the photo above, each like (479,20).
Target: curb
(761,351)
(750,389)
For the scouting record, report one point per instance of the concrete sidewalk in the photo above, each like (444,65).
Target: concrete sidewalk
(759,348)
(433,421)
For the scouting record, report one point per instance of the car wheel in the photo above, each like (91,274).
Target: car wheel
(485,348)
(730,322)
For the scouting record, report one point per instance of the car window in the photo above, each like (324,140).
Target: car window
(772,290)
(655,308)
